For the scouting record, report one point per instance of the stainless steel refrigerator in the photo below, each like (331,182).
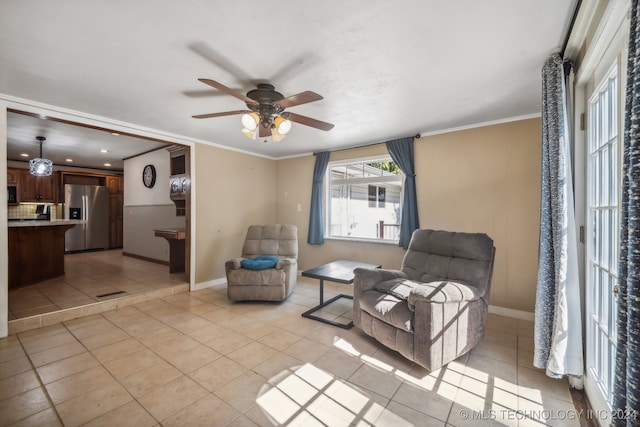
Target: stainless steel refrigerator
(91,204)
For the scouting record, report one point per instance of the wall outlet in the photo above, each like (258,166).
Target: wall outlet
(299,207)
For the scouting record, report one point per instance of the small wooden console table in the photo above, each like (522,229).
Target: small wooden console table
(176,238)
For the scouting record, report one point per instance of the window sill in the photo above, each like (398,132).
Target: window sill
(363,240)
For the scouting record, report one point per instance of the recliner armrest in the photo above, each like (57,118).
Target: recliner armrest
(285,262)
(366,278)
(442,292)
(233,264)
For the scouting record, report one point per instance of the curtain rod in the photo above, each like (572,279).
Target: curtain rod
(416,136)
(571,24)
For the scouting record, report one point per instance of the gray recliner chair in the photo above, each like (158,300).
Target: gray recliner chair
(434,309)
(269,284)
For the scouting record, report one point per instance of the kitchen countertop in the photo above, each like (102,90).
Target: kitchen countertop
(43,223)
(177,233)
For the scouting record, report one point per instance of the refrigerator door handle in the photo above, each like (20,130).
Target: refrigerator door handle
(84,218)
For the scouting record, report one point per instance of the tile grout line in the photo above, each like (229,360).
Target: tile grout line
(252,370)
(101,364)
(278,327)
(133,398)
(40,383)
(66,328)
(183,374)
(53,405)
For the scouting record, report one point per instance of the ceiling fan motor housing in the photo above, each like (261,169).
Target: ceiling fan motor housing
(265,95)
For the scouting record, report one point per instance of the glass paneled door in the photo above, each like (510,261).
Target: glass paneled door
(602,231)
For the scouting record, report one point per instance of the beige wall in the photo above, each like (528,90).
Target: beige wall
(479,180)
(233,191)
(488,180)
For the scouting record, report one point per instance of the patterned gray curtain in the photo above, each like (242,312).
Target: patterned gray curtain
(401,151)
(316,221)
(626,387)
(558,324)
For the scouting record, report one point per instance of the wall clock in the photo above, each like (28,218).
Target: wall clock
(149,176)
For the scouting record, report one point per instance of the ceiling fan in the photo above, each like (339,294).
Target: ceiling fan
(266,115)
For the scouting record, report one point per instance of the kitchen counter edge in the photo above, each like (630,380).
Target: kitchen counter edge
(44,223)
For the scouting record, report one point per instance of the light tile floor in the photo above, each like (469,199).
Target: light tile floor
(91,277)
(196,359)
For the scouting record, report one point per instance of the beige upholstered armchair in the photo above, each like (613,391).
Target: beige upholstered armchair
(433,310)
(274,283)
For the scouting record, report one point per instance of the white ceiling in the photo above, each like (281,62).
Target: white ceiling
(385,69)
(85,147)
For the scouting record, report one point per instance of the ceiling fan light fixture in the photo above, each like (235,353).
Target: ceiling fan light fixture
(40,166)
(250,121)
(251,134)
(283,125)
(276,136)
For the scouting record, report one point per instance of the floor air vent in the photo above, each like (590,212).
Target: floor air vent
(110,293)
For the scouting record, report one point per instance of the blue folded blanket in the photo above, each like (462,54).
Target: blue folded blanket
(261,262)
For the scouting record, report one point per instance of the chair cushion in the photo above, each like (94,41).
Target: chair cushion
(274,239)
(399,288)
(442,292)
(246,277)
(388,308)
(261,262)
(465,258)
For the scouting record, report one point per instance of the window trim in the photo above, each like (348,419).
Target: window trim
(382,179)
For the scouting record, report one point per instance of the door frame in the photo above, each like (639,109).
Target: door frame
(607,47)
(8,104)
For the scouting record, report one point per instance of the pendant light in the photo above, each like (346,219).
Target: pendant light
(40,166)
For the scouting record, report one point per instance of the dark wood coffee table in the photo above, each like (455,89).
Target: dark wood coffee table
(337,271)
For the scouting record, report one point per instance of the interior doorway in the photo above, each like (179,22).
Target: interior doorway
(100,276)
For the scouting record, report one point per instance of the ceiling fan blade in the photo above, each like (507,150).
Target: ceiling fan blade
(228,90)
(204,93)
(308,121)
(217,59)
(301,98)
(224,113)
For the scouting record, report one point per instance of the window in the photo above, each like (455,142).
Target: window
(364,199)
(603,187)
(376,196)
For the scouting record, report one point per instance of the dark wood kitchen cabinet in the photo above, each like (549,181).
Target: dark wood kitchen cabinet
(116,210)
(115,184)
(39,189)
(180,193)
(36,253)
(13,176)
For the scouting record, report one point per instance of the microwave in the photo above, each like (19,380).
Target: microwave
(179,186)
(12,195)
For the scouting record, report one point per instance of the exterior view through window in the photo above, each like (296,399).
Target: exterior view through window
(364,199)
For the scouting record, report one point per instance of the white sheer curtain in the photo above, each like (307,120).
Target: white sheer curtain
(558,324)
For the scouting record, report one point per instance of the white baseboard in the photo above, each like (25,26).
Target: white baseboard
(509,312)
(209,283)
(501,311)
